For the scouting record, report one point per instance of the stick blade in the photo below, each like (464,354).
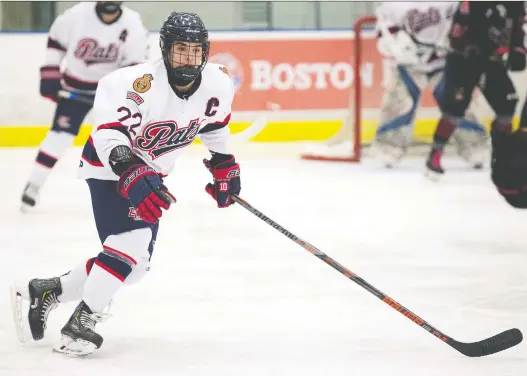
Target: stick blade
(492,345)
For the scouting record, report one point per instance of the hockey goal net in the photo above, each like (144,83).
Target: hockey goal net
(346,144)
(354,137)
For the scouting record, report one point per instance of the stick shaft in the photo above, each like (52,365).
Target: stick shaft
(347,273)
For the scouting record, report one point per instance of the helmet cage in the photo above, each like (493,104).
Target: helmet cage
(171,33)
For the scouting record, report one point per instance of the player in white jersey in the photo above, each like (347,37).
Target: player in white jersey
(146,115)
(414,36)
(87,41)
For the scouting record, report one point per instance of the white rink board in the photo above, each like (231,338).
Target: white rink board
(22,104)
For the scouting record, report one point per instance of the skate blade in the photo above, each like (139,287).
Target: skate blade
(74,348)
(20,321)
(25,208)
(433,176)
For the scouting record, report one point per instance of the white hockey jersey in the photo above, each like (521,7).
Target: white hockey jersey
(137,107)
(87,49)
(425,22)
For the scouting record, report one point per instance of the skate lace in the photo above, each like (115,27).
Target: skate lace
(88,320)
(50,302)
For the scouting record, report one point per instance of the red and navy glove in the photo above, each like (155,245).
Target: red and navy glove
(226,174)
(50,82)
(140,184)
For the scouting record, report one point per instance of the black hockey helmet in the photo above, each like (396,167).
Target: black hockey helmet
(183,27)
(108,7)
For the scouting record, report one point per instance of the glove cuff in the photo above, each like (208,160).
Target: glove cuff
(218,159)
(50,72)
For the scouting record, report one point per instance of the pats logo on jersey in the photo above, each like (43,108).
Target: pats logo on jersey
(234,67)
(143,84)
(418,20)
(91,52)
(165,136)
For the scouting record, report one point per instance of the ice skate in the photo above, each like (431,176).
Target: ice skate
(42,297)
(78,335)
(434,171)
(30,197)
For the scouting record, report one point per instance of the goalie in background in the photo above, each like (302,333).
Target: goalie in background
(413,36)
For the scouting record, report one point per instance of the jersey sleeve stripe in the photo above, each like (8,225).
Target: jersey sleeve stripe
(89,154)
(116,126)
(52,43)
(215,126)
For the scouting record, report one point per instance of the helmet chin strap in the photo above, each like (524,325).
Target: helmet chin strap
(178,79)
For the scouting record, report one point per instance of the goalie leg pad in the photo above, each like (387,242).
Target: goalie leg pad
(398,110)
(399,103)
(472,141)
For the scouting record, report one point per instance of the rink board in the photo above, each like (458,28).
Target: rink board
(301,80)
(275,131)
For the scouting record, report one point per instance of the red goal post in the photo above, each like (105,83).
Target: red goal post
(351,126)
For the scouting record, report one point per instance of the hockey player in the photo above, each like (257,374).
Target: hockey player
(413,34)
(509,164)
(89,40)
(487,39)
(145,116)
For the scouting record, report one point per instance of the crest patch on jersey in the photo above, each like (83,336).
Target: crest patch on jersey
(224,70)
(134,97)
(143,84)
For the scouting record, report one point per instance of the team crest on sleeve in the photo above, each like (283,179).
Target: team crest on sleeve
(143,84)
(134,97)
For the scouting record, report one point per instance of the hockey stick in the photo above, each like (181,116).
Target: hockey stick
(497,343)
(76,97)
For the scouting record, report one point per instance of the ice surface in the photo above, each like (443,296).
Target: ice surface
(228,295)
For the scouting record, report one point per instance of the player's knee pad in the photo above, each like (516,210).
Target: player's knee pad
(138,272)
(123,253)
(54,145)
(453,107)
(69,116)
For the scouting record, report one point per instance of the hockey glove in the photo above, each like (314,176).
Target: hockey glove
(516,59)
(140,184)
(226,174)
(50,82)
(509,168)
